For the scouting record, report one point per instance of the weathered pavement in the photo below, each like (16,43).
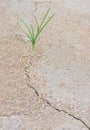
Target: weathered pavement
(50,91)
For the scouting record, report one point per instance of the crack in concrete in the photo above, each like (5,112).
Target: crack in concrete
(33,13)
(56,109)
(28,84)
(37,93)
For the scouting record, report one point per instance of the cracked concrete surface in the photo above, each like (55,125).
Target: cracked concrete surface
(51,90)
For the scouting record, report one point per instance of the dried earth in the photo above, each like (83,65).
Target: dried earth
(50,90)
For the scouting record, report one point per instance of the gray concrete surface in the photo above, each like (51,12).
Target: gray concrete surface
(50,91)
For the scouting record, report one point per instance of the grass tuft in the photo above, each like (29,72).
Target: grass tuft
(31,34)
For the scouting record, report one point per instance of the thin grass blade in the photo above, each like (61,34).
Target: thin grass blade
(44,18)
(43,26)
(26,34)
(32,33)
(26,26)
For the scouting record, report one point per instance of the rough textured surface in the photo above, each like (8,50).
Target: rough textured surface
(50,91)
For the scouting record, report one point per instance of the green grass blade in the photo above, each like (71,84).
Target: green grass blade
(25,26)
(26,34)
(32,33)
(44,18)
(38,33)
(47,22)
